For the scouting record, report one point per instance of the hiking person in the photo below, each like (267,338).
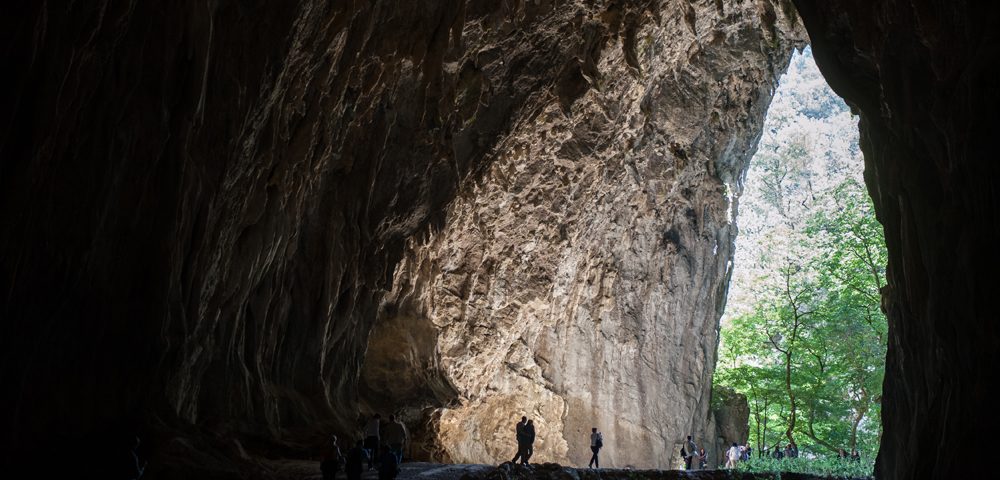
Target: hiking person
(691,451)
(855,455)
(733,455)
(529,439)
(776,454)
(841,453)
(749,451)
(394,435)
(372,439)
(521,447)
(330,461)
(596,442)
(388,466)
(788,451)
(356,459)
(702,459)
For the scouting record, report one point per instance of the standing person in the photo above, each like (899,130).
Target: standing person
(330,461)
(529,439)
(795,450)
(855,455)
(788,451)
(519,433)
(372,439)
(702,459)
(388,467)
(776,454)
(356,459)
(732,456)
(596,442)
(691,450)
(394,435)
(749,451)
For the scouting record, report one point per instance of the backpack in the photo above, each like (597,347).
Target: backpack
(600,441)
(684,453)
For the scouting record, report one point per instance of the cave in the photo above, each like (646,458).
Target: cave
(231,228)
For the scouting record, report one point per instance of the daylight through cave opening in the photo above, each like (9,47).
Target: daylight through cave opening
(803,336)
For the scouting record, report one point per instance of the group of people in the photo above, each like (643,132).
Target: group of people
(696,457)
(381,449)
(693,456)
(525,433)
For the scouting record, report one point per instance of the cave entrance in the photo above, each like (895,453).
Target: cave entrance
(803,336)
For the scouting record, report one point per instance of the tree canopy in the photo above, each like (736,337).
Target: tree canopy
(803,336)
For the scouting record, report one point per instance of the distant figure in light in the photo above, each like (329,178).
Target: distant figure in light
(732,456)
(596,442)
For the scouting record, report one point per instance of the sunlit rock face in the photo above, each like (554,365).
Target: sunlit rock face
(580,280)
(923,76)
(203,204)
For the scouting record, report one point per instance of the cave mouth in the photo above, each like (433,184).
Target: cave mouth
(803,337)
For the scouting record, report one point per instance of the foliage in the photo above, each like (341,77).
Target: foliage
(804,336)
(826,466)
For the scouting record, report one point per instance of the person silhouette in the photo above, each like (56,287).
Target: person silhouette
(522,447)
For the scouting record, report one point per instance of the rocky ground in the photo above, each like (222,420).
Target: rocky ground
(546,471)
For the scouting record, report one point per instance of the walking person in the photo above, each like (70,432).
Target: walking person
(690,451)
(732,456)
(776,454)
(356,459)
(529,438)
(702,459)
(596,442)
(749,451)
(372,442)
(330,461)
(394,435)
(521,447)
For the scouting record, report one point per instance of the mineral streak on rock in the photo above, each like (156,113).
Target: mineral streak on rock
(581,279)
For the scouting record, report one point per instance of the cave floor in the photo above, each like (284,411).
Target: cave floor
(308,470)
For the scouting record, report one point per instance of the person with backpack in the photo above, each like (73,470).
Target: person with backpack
(732,456)
(689,450)
(330,461)
(356,459)
(596,442)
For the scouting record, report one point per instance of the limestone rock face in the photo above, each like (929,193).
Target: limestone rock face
(922,74)
(581,279)
(202,204)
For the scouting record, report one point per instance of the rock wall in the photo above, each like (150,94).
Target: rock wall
(203,203)
(581,279)
(922,74)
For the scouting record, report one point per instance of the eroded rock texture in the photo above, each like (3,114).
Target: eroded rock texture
(203,201)
(580,281)
(923,76)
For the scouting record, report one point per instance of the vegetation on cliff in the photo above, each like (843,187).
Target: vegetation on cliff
(804,337)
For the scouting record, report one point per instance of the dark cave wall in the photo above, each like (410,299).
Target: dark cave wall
(923,75)
(202,201)
(172,178)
